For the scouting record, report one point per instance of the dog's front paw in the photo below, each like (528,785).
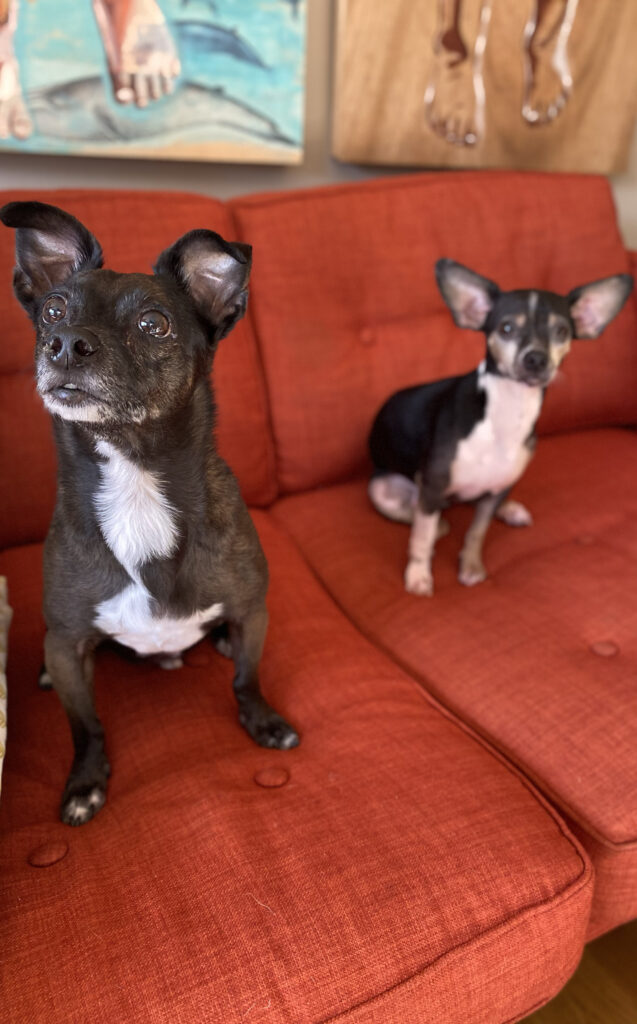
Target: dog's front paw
(418,579)
(267,728)
(79,807)
(472,571)
(85,791)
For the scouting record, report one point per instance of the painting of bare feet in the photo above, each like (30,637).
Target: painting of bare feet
(530,84)
(176,79)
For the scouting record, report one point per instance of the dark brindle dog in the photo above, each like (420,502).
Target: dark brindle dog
(150,543)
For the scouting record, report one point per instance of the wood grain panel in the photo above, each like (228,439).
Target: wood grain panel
(390,53)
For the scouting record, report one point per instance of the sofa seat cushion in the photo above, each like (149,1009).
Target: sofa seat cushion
(347,310)
(391,868)
(542,656)
(133,228)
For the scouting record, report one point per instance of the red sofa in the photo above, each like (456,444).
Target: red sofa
(461,815)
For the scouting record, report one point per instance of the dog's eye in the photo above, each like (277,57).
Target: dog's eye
(155,323)
(561,333)
(54,309)
(506,327)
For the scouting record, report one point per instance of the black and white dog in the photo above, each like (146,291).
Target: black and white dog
(470,438)
(150,544)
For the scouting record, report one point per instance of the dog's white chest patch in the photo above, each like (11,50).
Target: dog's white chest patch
(136,519)
(495,454)
(138,524)
(127,618)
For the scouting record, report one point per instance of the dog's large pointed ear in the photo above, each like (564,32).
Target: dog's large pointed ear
(594,305)
(469,296)
(214,273)
(50,246)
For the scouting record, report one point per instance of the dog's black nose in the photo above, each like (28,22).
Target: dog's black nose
(535,360)
(70,346)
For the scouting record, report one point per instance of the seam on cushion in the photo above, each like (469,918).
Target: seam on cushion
(108,194)
(276,460)
(451,716)
(273,460)
(572,891)
(258,200)
(564,978)
(496,747)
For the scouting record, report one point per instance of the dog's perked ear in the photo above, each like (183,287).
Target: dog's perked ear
(214,273)
(594,305)
(50,246)
(469,296)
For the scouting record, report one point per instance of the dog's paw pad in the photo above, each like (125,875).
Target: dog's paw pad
(418,580)
(472,573)
(271,731)
(81,807)
(514,513)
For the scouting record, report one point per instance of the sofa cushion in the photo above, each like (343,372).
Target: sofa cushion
(347,309)
(391,868)
(541,656)
(133,227)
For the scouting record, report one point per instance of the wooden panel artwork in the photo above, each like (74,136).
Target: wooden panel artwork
(531,84)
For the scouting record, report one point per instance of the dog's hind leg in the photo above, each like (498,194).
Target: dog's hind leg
(220,636)
(70,667)
(265,726)
(44,679)
(395,496)
(514,513)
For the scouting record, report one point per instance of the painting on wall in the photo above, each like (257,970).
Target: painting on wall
(172,79)
(534,84)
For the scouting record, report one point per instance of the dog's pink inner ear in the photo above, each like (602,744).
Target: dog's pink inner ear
(48,258)
(597,304)
(470,304)
(213,278)
(586,316)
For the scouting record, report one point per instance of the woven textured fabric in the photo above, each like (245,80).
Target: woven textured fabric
(133,228)
(541,656)
(391,868)
(615,896)
(347,310)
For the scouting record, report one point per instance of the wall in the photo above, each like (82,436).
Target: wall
(226,180)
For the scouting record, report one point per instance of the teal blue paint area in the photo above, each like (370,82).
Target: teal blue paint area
(242,79)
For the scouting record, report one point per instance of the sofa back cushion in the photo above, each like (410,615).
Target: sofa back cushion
(133,227)
(347,310)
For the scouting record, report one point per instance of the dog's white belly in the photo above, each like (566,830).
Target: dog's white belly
(496,453)
(127,618)
(482,467)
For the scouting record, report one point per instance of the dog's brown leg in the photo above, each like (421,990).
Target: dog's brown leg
(265,726)
(472,568)
(69,666)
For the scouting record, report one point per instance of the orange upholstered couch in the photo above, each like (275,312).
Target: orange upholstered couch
(461,815)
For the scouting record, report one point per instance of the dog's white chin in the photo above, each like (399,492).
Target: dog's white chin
(88,412)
